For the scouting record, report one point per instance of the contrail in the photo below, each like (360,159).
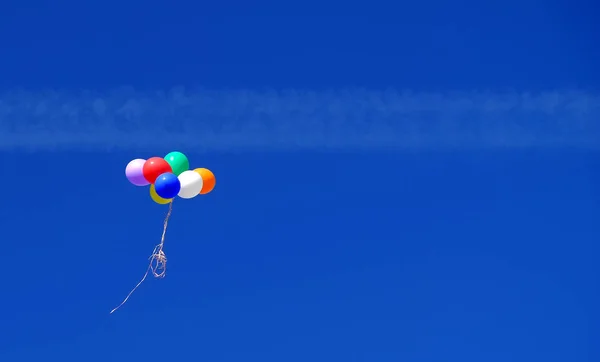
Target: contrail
(344,119)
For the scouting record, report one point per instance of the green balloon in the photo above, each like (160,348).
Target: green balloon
(178,162)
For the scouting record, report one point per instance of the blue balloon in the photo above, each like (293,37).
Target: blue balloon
(167,185)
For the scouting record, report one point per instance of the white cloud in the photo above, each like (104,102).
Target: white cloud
(297,119)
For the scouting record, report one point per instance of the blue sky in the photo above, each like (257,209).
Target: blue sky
(414,182)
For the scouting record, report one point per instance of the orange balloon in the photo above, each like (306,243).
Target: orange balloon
(208,180)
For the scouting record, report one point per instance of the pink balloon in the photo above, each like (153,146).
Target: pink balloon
(134,172)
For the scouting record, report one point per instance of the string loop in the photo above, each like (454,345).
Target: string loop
(158,259)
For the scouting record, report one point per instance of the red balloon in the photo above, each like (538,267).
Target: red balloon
(155,167)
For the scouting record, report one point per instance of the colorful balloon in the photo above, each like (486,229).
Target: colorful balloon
(178,162)
(191,184)
(167,185)
(155,167)
(154,196)
(134,172)
(168,177)
(208,180)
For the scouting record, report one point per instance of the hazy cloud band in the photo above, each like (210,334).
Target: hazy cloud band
(295,119)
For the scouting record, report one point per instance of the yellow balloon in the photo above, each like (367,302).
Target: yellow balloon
(156,198)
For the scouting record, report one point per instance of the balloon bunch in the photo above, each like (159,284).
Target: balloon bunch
(169,177)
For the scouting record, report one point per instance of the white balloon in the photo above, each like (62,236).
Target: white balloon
(191,184)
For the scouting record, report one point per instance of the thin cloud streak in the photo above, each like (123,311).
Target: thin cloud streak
(295,119)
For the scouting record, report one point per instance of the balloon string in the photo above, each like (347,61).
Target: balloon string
(158,259)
